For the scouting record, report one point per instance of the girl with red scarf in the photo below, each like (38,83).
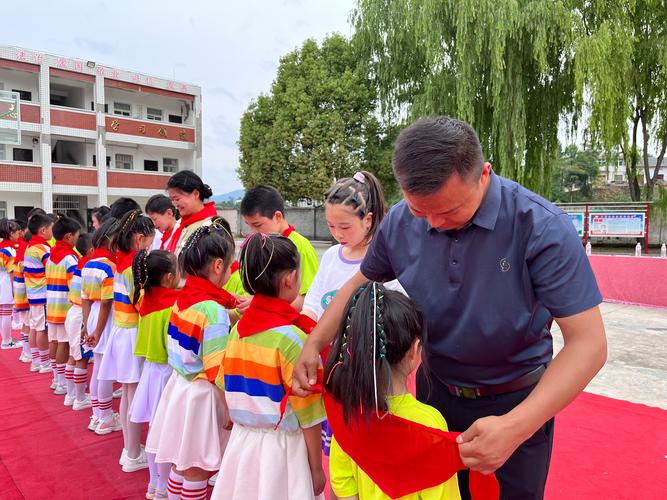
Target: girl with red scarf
(281,444)
(164,215)
(187,192)
(135,233)
(9,232)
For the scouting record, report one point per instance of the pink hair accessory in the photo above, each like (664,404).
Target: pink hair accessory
(359,177)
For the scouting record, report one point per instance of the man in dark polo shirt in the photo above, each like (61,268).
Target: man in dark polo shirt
(491,265)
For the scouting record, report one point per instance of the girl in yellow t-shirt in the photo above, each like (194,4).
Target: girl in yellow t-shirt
(386,327)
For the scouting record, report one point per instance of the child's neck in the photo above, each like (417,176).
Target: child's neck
(399,383)
(283,226)
(357,252)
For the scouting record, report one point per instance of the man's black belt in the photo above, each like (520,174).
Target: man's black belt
(530,378)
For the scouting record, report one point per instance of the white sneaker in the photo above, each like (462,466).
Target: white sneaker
(109,426)
(60,390)
(83,405)
(34,368)
(123,457)
(45,369)
(25,359)
(94,421)
(213,479)
(69,400)
(117,394)
(53,385)
(135,464)
(12,344)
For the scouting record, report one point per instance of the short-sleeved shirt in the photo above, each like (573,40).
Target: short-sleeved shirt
(152,336)
(256,374)
(34,271)
(58,281)
(196,340)
(97,280)
(309,261)
(7,265)
(234,284)
(348,480)
(489,291)
(20,294)
(125,313)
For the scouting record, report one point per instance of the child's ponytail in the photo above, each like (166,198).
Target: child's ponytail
(132,223)
(148,269)
(363,193)
(379,329)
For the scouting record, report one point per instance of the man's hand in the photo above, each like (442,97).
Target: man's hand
(304,375)
(487,444)
(319,480)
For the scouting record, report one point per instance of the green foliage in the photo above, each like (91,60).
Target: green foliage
(498,64)
(574,174)
(621,80)
(317,124)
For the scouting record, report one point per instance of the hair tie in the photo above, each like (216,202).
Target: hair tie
(359,177)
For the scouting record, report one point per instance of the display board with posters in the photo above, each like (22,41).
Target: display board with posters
(10,118)
(578,222)
(617,224)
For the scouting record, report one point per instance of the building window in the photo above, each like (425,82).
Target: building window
(95,161)
(175,119)
(618,178)
(122,109)
(21,154)
(124,161)
(154,114)
(24,94)
(3,209)
(151,165)
(2,152)
(170,165)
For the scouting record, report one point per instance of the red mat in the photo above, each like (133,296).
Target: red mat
(604,448)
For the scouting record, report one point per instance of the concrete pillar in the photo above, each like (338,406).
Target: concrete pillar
(45,137)
(100,143)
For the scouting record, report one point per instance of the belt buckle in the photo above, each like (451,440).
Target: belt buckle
(466,392)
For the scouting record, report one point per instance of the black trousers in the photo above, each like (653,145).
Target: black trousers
(524,475)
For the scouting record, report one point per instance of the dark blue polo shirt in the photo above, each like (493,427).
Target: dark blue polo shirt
(489,291)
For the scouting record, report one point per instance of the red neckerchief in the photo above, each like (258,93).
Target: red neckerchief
(165,237)
(105,253)
(198,290)
(290,229)
(205,213)
(61,250)
(430,455)
(20,251)
(82,262)
(158,299)
(266,312)
(38,240)
(124,260)
(9,243)
(234,267)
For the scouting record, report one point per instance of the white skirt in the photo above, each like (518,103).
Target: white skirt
(119,362)
(278,461)
(154,378)
(101,346)
(187,428)
(73,322)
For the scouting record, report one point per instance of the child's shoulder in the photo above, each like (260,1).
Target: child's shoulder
(214,312)
(300,241)
(408,407)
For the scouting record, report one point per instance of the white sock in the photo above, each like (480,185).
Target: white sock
(60,374)
(174,485)
(162,475)
(6,327)
(34,354)
(194,490)
(80,377)
(69,380)
(44,359)
(152,469)
(104,398)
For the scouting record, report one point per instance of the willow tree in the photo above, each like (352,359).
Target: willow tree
(621,73)
(504,66)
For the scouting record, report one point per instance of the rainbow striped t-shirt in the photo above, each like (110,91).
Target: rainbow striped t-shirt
(74,294)
(256,374)
(20,294)
(125,314)
(97,280)
(34,271)
(58,281)
(196,339)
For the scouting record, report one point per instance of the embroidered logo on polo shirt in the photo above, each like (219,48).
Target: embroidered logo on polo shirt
(504,265)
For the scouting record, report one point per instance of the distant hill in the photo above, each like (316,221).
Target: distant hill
(231,196)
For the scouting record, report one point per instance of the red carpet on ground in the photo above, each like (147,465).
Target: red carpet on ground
(604,448)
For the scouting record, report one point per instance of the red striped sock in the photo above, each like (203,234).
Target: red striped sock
(174,485)
(194,490)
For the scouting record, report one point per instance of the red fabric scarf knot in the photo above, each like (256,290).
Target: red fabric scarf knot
(61,250)
(198,289)
(267,312)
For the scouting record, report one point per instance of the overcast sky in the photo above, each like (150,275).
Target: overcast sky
(229,48)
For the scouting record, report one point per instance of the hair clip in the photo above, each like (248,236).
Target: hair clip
(359,177)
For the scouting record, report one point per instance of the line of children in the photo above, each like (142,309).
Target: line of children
(9,232)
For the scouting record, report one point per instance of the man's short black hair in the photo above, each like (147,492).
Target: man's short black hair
(431,150)
(122,206)
(38,221)
(263,200)
(63,226)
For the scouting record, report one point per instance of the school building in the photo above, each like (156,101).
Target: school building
(91,133)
